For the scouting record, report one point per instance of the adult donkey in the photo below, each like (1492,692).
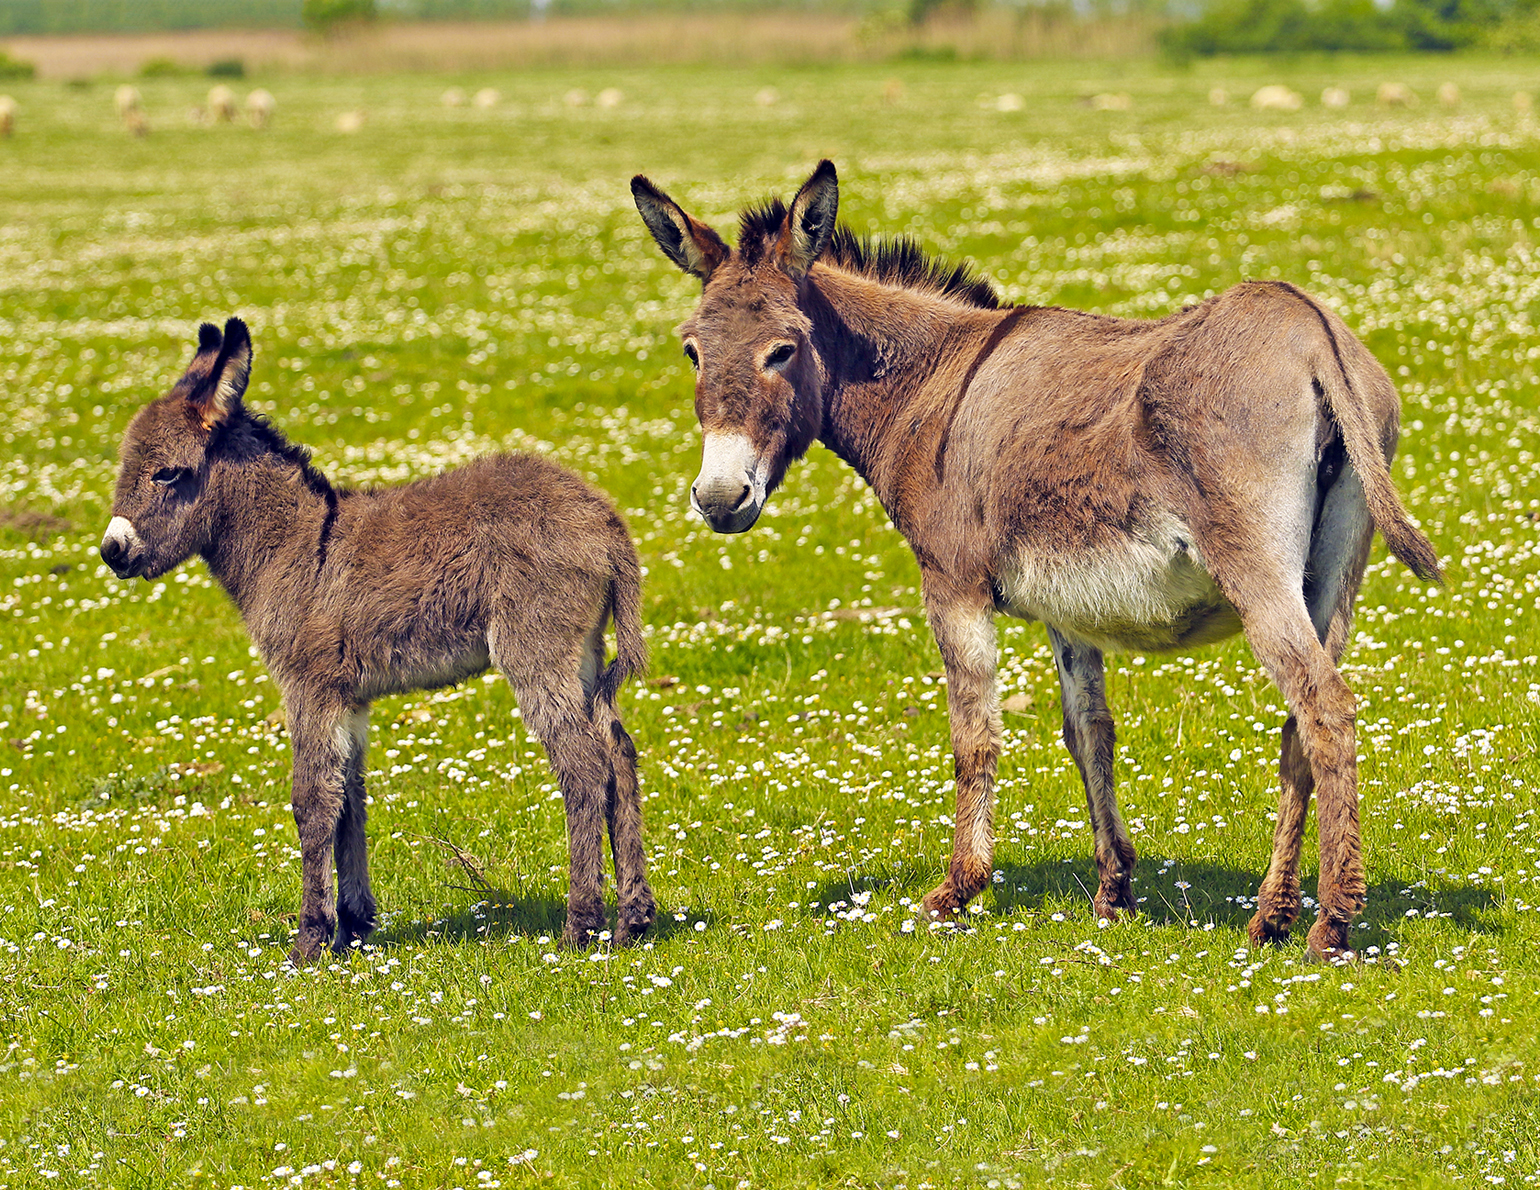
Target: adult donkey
(1132,484)
(352,595)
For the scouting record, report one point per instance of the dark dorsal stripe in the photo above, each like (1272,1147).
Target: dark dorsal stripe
(996,337)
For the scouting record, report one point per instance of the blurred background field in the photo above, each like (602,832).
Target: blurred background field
(429,277)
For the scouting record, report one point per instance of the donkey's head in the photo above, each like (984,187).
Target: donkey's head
(158,514)
(759,382)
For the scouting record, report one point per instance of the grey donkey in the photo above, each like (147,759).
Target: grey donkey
(510,561)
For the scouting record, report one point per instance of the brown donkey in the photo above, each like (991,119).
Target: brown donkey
(1132,484)
(351,595)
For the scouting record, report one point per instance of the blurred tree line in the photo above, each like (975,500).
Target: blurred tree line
(1363,26)
(1197,27)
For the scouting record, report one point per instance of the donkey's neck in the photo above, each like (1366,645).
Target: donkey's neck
(269,512)
(888,355)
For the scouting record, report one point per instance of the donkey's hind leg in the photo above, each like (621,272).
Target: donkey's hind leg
(559,712)
(355,903)
(637,907)
(1090,736)
(1339,550)
(623,804)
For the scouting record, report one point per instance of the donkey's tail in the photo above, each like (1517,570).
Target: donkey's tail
(626,611)
(1355,386)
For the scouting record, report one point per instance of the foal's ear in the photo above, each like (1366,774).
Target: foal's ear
(691,245)
(220,389)
(810,224)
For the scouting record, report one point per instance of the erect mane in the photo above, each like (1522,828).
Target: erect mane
(251,434)
(900,262)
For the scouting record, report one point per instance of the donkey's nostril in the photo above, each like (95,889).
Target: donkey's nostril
(112,551)
(742,496)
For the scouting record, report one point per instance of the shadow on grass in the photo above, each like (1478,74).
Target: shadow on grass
(1214,893)
(501,914)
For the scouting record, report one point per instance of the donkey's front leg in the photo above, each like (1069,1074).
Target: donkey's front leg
(963,621)
(317,799)
(355,903)
(1090,737)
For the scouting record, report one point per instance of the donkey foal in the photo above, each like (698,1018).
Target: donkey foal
(350,595)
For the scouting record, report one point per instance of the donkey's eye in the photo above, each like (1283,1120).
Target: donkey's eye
(780,354)
(169,477)
(689,350)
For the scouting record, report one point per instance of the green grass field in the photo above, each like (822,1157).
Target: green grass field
(446,282)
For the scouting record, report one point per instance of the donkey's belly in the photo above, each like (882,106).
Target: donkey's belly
(1136,594)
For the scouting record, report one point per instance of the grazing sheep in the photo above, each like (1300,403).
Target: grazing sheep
(454,97)
(1277,98)
(221,104)
(260,106)
(1218,96)
(577,97)
(1110,101)
(1449,95)
(1522,102)
(487,98)
(1335,97)
(610,97)
(7,115)
(767,97)
(1395,95)
(351,121)
(126,100)
(350,596)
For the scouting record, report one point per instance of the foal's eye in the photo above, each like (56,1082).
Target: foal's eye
(689,350)
(780,354)
(169,477)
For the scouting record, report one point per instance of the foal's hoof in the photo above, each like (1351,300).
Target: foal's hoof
(1118,905)
(582,935)
(1327,943)
(632,921)
(939,907)
(303,956)
(1269,931)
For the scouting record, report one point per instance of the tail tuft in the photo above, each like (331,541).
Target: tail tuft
(626,613)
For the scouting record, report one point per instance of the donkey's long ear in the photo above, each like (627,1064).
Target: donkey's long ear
(691,245)
(810,225)
(219,391)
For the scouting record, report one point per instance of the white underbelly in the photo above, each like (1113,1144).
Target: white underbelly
(1135,594)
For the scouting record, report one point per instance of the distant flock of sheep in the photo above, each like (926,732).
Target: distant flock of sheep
(221,106)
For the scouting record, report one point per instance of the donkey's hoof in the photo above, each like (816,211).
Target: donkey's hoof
(582,935)
(1327,943)
(634,920)
(303,956)
(1115,904)
(939,906)
(1269,931)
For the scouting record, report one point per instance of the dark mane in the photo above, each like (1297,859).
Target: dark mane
(899,262)
(251,434)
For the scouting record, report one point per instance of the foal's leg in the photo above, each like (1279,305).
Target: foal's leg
(963,622)
(355,903)
(1339,550)
(637,907)
(1089,735)
(317,800)
(623,804)
(559,714)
